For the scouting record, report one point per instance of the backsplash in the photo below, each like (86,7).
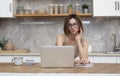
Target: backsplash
(33,32)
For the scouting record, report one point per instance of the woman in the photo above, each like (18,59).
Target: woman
(73,35)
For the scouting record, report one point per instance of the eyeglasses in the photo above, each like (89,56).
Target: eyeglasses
(74,24)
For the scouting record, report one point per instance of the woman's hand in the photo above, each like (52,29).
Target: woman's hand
(79,36)
(82,61)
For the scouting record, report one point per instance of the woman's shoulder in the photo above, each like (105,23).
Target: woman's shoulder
(61,35)
(60,39)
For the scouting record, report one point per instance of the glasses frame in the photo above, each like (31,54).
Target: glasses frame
(74,24)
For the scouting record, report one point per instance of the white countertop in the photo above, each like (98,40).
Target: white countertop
(37,54)
(25,54)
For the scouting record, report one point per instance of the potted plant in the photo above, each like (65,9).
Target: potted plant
(85,8)
(70,8)
(2,43)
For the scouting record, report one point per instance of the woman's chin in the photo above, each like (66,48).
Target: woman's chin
(73,33)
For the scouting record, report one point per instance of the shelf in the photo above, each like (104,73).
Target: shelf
(50,15)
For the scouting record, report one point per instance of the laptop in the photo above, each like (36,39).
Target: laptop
(57,56)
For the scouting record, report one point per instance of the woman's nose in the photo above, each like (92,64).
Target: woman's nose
(72,26)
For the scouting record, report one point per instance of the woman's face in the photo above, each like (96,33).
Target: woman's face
(73,26)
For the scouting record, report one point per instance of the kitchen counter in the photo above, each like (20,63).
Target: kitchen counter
(103,54)
(37,53)
(19,54)
(36,68)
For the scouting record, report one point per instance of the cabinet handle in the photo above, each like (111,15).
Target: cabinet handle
(118,5)
(10,7)
(115,5)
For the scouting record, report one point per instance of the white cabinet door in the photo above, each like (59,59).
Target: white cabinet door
(91,58)
(118,59)
(6,58)
(36,59)
(105,59)
(106,7)
(6,8)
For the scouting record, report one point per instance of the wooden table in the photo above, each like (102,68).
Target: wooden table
(36,68)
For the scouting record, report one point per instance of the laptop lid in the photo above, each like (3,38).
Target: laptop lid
(57,56)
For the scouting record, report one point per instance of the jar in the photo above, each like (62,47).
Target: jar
(77,8)
(9,45)
(55,8)
(20,10)
(51,9)
(27,11)
(70,9)
(61,9)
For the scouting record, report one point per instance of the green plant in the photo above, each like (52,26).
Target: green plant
(2,43)
(85,6)
(70,5)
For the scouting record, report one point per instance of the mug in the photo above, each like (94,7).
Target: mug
(17,60)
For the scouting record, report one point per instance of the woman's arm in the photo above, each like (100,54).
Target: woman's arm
(83,48)
(83,51)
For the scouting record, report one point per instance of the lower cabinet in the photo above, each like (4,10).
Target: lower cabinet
(105,59)
(36,59)
(91,58)
(118,59)
(6,58)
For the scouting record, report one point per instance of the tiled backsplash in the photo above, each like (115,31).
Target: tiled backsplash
(33,32)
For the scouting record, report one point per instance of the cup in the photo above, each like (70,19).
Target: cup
(17,60)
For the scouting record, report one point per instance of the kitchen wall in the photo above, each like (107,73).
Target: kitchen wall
(32,32)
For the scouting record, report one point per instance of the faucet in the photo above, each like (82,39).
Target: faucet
(114,47)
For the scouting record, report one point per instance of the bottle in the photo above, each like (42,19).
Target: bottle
(55,8)
(70,9)
(77,8)
(61,9)
(51,9)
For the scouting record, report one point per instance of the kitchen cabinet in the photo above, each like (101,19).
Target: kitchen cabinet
(106,7)
(105,59)
(91,58)
(6,8)
(8,58)
(118,59)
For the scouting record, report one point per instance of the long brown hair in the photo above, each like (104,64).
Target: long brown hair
(66,23)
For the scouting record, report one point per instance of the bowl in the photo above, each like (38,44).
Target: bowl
(29,62)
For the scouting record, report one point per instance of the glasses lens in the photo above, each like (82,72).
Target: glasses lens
(74,24)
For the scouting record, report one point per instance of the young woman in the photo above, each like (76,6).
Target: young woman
(73,35)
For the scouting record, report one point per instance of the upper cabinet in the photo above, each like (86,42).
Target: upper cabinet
(6,8)
(106,7)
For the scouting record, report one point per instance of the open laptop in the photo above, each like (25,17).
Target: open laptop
(57,56)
